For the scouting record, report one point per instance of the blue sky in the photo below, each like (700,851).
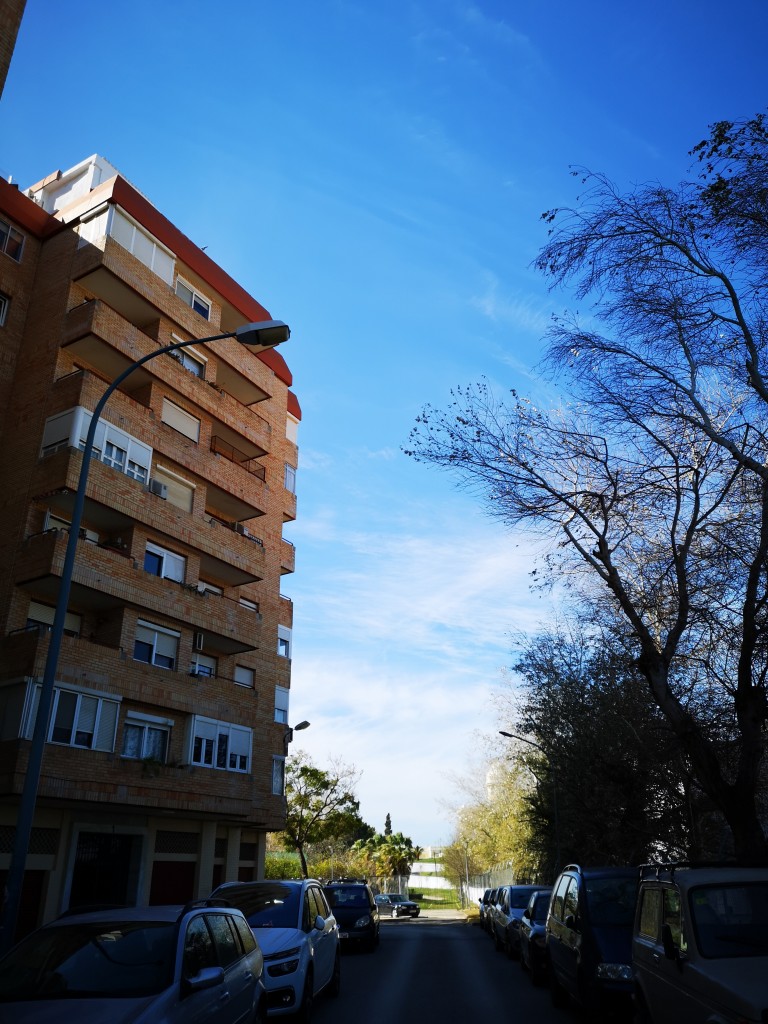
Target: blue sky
(374,175)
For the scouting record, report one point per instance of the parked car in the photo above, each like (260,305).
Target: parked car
(511,901)
(395,905)
(483,903)
(589,936)
(143,965)
(356,912)
(299,938)
(700,947)
(490,910)
(533,936)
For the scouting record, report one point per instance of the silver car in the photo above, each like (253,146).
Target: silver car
(143,965)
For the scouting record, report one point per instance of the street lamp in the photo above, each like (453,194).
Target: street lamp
(533,743)
(265,334)
(288,735)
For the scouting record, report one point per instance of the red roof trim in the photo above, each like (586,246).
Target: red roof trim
(24,212)
(293,405)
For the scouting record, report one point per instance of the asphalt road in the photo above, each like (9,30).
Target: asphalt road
(435,968)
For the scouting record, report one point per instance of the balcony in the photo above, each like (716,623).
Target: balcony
(287,557)
(228,451)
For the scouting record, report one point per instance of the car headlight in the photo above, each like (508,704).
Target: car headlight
(286,967)
(363,922)
(615,972)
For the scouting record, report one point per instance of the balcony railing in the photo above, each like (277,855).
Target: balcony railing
(228,451)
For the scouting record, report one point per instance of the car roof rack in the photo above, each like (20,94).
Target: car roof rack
(668,868)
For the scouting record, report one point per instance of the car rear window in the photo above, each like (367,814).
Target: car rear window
(347,896)
(266,905)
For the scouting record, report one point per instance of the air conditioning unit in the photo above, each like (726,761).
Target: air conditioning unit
(239,528)
(199,641)
(158,488)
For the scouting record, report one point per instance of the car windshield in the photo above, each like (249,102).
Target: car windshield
(347,896)
(730,920)
(395,897)
(611,900)
(518,898)
(267,905)
(90,961)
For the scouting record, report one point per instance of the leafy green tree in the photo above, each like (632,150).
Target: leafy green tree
(652,477)
(321,804)
(389,855)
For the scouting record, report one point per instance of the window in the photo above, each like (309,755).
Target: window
(180,420)
(203,665)
(193,298)
(252,606)
(290,478)
(4,304)
(111,445)
(145,736)
(244,676)
(278,776)
(650,911)
(164,563)
(11,241)
(155,645)
(284,641)
(190,359)
(180,492)
(281,704)
(137,241)
(220,745)
(78,719)
(43,615)
(209,588)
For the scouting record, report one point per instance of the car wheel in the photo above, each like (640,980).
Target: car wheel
(334,985)
(304,1013)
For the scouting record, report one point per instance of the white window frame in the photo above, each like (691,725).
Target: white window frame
(160,641)
(192,360)
(148,724)
(284,641)
(252,606)
(140,243)
(180,420)
(282,700)
(290,478)
(90,709)
(278,776)
(178,487)
(220,745)
(69,430)
(197,301)
(5,303)
(8,234)
(245,676)
(172,566)
(204,665)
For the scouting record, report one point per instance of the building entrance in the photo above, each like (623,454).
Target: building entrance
(106,871)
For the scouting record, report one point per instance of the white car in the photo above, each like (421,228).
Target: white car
(298,936)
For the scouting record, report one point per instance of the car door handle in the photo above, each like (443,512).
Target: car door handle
(656,958)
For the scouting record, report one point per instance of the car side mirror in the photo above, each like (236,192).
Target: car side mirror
(570,922)
(319,923)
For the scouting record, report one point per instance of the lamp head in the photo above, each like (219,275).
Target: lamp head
(265,334)
(300,726)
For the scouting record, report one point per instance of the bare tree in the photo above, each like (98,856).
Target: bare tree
(652,477)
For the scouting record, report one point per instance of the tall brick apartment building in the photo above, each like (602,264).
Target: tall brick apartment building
(163,766)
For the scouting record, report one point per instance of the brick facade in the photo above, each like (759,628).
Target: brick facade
(115,824)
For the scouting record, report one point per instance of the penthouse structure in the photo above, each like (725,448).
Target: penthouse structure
(163,766)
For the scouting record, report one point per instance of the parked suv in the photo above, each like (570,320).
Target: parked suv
(700,947)
(356,912)
(589,936)
(511,901)
(298,936)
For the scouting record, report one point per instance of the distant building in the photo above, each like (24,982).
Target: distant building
(163,767)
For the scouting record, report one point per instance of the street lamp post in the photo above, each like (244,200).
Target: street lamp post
(533,743)
(265,334)
(288,734)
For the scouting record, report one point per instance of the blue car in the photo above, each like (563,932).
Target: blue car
(589,936)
